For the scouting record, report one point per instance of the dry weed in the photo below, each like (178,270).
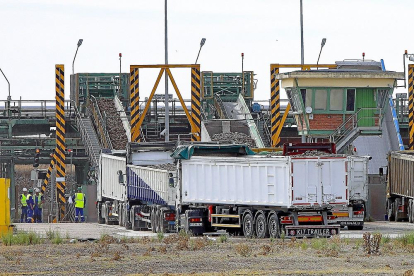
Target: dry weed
(117,256)
(162,249)
(408,273)
(265,250)
(171,239)
(243,250)
(199,243)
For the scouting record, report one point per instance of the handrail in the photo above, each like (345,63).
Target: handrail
(86,139)
(352,123)
(101,123)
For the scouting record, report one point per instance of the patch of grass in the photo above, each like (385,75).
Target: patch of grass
(7,238)
(57,239)
(50,234)
(304,245)
(21,238)
(385,239)
(160,236)
(319,244)
(406,239)
(243,249)
(34,238)
(223,238)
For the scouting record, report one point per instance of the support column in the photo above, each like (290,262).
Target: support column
(410,107)
(134,100)
(195,104)
(274,106)
(59,155)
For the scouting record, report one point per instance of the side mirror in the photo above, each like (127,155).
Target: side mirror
(171,180)
(120,177)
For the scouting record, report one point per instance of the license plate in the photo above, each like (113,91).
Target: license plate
(196,224)
(312,232)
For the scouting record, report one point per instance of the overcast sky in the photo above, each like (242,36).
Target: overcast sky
(37,34)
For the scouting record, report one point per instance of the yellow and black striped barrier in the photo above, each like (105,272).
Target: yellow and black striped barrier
(134,99)
(48,174)
(195,104)
(59,155)
(274,105)
(411,106)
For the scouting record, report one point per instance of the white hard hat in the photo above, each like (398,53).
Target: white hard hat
(37,190)
(24,190)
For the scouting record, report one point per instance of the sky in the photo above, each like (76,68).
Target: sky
(37,34)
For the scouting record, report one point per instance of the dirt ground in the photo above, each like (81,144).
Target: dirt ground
(182,255)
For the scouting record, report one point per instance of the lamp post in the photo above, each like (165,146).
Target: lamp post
(302,46)
(166,108)
(73,63)
(203,41)
(322,44)
(120,75)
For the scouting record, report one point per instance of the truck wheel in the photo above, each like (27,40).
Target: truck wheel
(396,204)
(261,226)
(161,222)
(390,210)
(153,227)
(127,223)
(248,228)
(274,226)
(101,220)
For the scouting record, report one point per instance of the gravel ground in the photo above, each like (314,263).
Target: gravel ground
(178,255)
(114,125)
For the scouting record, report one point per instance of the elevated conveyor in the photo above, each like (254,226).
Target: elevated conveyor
(237,118)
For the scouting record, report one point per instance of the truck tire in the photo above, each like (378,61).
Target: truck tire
(396,204)
(101,220)
(127,222)
(274,226)
(248,226)
(120,215)
(261,226)
(390,210)
(153,227)
(162,228)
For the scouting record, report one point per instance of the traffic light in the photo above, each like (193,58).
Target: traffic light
(36,158)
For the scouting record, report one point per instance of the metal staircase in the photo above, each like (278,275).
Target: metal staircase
(349,130)
(89,138)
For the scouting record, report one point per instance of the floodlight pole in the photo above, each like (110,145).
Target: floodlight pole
(322,44)
(73,63)
(166,108)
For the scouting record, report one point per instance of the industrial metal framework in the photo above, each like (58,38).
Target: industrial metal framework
(411,106)
(137,118)
(59,157)
(276,123)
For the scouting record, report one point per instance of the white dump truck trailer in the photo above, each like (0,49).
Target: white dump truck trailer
(201,188)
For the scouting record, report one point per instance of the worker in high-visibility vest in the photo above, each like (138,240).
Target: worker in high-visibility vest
(30,206)
(80,200)
(39,200)
(23,201)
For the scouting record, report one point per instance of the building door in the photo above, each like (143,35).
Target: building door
(365,100)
